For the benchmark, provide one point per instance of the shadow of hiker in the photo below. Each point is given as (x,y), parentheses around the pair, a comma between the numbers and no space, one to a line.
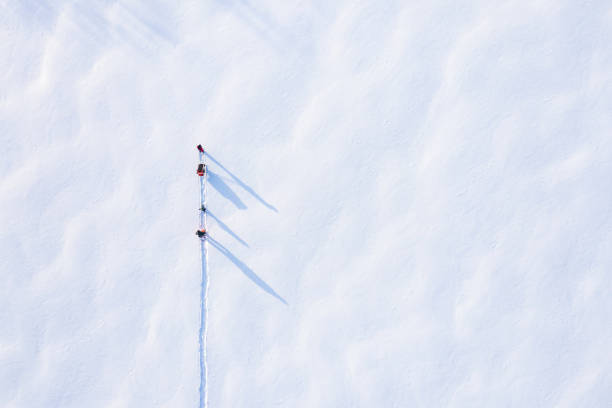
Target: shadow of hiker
(226,228)
(241,184)
(246,270)
(225,190)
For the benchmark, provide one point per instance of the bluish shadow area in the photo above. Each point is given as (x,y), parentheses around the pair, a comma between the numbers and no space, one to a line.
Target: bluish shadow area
(152,19)
(143,25)
(245,269)
(227,229)
(242,184)
(225,190)
(285,40)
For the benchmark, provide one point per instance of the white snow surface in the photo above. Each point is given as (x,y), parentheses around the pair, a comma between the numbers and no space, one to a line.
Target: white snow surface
(410,203)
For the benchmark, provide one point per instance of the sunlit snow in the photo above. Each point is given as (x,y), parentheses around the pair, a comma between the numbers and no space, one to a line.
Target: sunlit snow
(410,203)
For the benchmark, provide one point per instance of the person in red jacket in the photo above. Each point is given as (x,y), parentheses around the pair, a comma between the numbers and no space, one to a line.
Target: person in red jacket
(201,149)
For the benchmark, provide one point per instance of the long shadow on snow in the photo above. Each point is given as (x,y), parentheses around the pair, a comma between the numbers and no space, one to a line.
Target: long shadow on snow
(241,184)
(225,190)
(245,269)
(227,229)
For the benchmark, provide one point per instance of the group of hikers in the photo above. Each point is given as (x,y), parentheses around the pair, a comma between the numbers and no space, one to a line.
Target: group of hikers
(201,171)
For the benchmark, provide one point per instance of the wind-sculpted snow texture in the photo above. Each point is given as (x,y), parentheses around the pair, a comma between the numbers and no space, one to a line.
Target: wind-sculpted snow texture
(410,203)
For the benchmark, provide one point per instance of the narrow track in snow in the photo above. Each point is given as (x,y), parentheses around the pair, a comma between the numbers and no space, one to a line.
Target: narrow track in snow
(203,293)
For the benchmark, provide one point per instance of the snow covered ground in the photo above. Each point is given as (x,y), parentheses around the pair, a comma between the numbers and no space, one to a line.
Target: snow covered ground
(410,203)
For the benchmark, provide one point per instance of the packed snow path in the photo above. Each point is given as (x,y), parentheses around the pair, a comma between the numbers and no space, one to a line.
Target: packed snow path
(203,294)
